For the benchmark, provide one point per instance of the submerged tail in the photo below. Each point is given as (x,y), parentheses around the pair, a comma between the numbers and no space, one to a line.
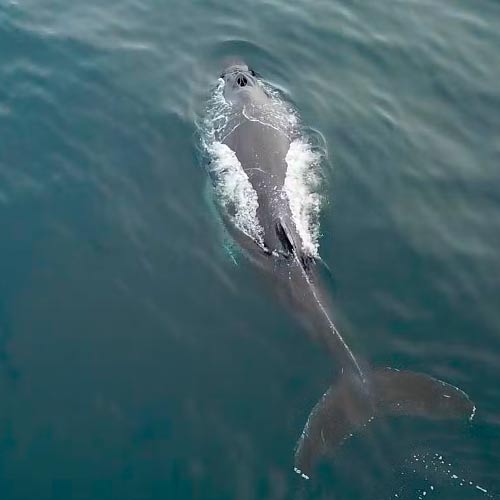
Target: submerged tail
(360,395)
(353,403)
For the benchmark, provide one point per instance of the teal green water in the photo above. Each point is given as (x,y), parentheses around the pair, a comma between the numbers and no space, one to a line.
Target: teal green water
(137,361)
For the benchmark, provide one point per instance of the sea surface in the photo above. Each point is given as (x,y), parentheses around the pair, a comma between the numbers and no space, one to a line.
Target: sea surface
(139,359)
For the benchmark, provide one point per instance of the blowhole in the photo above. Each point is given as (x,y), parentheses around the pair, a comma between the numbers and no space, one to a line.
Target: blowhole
(241,80)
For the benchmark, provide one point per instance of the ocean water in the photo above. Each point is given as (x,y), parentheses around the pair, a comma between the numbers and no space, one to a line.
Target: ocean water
(138,358)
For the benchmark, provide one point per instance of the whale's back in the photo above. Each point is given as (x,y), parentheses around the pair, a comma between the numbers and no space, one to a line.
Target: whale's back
(261,151)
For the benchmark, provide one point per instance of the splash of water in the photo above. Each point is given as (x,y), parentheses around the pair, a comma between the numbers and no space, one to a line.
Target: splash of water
(235,192)
(437,472)
(301,185)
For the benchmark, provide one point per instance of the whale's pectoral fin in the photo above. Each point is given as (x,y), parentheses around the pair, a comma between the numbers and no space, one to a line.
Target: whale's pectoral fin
(352,403)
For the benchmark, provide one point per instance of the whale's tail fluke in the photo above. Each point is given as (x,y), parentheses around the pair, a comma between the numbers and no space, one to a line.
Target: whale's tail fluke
(352,403)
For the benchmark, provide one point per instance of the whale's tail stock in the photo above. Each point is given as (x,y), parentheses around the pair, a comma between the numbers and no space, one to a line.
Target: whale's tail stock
(352,403)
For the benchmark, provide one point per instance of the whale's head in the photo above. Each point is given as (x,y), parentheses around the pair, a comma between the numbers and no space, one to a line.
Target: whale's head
(240,83)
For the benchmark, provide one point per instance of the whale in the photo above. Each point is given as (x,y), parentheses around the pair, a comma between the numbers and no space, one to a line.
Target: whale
(252,148)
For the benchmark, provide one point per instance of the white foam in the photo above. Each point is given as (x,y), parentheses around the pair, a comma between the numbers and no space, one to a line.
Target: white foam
(234,191)
(473,413)
(301,183)
(436,462)
(300,473)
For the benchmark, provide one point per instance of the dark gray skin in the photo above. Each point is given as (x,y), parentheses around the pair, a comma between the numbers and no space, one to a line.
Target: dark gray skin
(260,138)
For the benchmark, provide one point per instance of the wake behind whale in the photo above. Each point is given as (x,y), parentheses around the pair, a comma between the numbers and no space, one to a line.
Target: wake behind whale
(266,175)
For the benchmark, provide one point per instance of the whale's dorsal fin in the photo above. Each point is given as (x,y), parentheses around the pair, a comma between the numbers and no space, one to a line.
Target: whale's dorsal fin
(291,248)
(285,239)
